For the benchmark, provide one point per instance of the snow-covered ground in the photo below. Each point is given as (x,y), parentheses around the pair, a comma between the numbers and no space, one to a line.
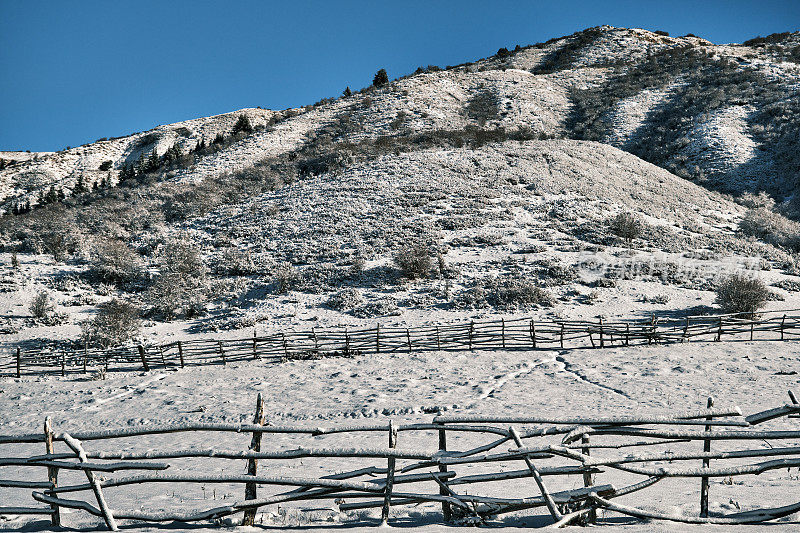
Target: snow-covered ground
(413,387)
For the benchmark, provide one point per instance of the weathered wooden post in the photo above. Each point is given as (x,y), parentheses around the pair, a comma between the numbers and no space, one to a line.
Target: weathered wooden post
(503,331)
(63,363)
(85,354)
(378,338)
(408,339)
(390,467)
(562,335)
(783,320)
(52,471)
(686,330)
(255,345)
(533,334)
(316,340)
(252,463)
(706,462)
(438,341)
(471,328)
(627,334)
(143,358)
(346,341)
(180,353)
(719,330)
(443,468)
(285,347)
(601,333)
(221,353)
(19,362)
(752,322)
(161,353)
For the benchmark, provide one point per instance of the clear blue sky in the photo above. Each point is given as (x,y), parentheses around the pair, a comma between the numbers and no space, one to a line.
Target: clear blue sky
(74,71)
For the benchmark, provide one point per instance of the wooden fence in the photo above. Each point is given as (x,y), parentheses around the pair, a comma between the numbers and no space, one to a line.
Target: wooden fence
(516,334)
(490,477)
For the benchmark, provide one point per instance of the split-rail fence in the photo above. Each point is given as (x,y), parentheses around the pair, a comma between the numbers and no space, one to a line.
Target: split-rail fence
(514,334)
(475,468)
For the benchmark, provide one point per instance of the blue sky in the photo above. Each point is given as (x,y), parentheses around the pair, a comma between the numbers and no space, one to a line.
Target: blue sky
(72,72)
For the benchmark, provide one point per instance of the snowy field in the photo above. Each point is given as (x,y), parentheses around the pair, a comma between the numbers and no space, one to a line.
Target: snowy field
(405,388)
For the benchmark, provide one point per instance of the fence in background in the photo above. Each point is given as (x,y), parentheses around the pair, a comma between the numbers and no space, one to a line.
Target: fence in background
(513,449)
(517,334)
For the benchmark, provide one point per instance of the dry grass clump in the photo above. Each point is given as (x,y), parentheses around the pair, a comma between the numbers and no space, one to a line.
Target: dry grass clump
(345,299)
(507,292)
(771,227)
(41,305)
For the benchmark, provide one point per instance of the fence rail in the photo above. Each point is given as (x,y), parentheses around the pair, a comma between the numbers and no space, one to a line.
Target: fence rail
(516,334)
(588,447)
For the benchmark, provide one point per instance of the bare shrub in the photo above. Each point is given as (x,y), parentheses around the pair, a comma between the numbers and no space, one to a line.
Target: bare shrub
(183,283)
(771,227)
(627,226)
(41,305)
(483,107)
(740,293)
(116,322)
(115,262)
(414,261)
(285,278)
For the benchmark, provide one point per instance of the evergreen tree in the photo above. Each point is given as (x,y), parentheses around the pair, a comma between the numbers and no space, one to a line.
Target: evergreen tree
(347,92)
(243,125)
(80,186)
(141,165)
(51,196)
(219,139)
(201,145)
(381,78)
(153,162)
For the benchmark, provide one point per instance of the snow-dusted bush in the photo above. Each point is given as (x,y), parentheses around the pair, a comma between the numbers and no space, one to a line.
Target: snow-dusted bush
(740,293)
(378,308)
(483,107)
(115,262)
(116,322)
(345,299)
(285,277)
(414,261)
(771,227)
(626,226)
(41,305)
(183,283)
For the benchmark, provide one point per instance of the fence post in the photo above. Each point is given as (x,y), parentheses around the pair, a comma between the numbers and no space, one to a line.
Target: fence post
(686,331)
(222,353)
(562,335)
(285,348)
(85,353)
(64,363)
(316,340)
(161,353)
(503,331)
(533,334)
(255,345)
(752,321)
(390,463)
(19,362)
(471,327)
(180,352)
(601,333)
(443,468)
(252,463)
(52,472)
(587,478)
(719,330)
(438,341)
(706,462)
(378,338)
(408,338)
(627,334)
(144,359)
(783,320)
(346,341)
